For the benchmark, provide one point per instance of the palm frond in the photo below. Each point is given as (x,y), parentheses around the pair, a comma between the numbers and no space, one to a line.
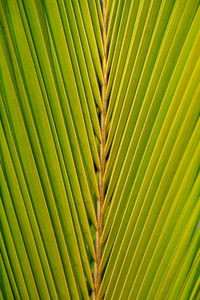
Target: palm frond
(99,149)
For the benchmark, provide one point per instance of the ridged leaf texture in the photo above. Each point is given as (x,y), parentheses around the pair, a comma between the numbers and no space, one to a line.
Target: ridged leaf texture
(100,149)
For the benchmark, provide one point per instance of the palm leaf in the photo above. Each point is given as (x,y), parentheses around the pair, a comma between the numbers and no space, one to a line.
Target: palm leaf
(100,149)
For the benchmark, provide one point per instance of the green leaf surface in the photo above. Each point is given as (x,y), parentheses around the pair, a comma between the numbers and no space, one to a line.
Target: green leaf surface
(99,149)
